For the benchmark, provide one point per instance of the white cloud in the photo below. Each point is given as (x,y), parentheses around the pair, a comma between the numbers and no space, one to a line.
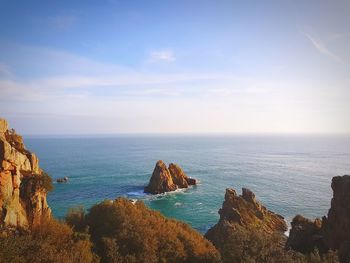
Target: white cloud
(165,55)
(322,48)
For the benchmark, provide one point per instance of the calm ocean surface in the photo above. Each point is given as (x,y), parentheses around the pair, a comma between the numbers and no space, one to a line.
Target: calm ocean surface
(289,174)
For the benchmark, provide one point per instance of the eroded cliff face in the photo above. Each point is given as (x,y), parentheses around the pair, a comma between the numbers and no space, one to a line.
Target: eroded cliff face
(23,185)
(244,211)
(166,179)
(333,232)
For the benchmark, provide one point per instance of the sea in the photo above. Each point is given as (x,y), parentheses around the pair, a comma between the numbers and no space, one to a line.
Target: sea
(289,174)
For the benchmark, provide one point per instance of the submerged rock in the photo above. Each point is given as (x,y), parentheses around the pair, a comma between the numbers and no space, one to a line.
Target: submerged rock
(22,183)
(166,179)
(62,180)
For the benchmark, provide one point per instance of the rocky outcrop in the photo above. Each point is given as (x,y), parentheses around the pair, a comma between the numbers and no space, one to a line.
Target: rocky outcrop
(306,235)
(245,212)
(22,183)
(166,179)
(334,230)
(336,226)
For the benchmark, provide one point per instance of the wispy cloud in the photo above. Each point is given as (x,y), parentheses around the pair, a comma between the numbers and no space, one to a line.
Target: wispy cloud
(5,71)
(165,55)
(321,47)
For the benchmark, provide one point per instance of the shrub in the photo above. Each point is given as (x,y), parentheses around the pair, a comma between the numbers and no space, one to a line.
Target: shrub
(33,182)
(51,242)
(76,219)
(239,245)
(126,232)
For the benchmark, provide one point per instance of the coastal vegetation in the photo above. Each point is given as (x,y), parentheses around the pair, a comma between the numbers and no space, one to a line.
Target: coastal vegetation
(118,231)
(125,232)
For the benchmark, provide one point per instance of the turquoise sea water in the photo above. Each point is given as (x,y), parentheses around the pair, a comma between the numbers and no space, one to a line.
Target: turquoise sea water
(289,174)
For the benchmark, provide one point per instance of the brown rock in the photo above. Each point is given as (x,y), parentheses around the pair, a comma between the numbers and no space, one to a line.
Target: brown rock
(246,211)
(161,180)
(12,155)
(306,235)
(168,179)
(21,205)
(334,231)
(34,162)
(3,125)
(6,187)
(178,175)
(337,225)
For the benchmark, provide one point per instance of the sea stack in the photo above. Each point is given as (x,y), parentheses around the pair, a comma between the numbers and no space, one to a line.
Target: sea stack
(333,232)
(249,213)
(244,212)
(22,183)
(166,179)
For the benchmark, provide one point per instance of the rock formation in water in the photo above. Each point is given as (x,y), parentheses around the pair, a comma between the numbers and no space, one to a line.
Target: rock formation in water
(23,185)
(306,235)
(334,230)
(166,179)
(244,212)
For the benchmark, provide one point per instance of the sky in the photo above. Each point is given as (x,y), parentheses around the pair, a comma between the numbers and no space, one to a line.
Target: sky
(182,66)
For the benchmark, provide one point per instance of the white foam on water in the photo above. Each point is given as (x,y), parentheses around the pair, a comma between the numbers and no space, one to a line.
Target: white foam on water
(139,193)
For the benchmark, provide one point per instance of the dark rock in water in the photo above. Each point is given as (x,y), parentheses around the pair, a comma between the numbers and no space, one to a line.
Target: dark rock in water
(337,225)
(244,212)
(62,180)
(191,181)
(306,235)
(334,231)
(167,179)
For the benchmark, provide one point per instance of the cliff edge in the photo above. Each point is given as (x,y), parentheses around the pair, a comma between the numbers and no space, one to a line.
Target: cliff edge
(333,232)
(23,184)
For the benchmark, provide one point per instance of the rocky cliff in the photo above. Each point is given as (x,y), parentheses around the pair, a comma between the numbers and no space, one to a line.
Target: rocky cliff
(23,185)
(166,179)
(244,211)
(333,232)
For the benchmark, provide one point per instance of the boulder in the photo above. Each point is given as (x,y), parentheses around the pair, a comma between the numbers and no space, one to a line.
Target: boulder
(168,179)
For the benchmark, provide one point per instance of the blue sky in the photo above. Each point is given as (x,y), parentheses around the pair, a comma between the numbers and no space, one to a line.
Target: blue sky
(71,67)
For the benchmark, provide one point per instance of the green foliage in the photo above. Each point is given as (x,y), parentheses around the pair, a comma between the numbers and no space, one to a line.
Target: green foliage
(37,181)
(126,232)
(45,182)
